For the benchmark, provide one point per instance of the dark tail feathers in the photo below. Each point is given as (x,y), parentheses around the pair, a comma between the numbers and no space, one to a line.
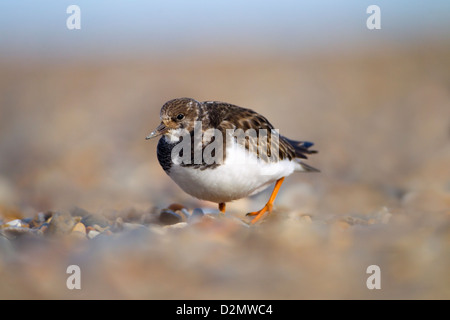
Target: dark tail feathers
(301,148)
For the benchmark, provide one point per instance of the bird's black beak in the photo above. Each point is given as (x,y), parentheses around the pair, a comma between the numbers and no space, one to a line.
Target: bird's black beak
(161,129)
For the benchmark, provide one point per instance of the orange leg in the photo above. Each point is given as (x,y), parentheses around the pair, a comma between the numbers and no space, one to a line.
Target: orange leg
(222,206)
(269,204)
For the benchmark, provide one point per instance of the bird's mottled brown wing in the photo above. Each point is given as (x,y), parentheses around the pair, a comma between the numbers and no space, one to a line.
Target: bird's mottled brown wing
(260,136)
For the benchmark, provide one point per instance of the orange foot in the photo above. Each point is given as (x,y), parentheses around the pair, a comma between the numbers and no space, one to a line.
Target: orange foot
(269,205)
(222,207)
(260,213)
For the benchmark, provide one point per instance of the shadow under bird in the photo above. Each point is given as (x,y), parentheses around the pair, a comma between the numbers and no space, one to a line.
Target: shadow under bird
(221,152)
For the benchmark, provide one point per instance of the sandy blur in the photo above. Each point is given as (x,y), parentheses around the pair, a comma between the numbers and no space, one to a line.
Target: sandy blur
(72,134)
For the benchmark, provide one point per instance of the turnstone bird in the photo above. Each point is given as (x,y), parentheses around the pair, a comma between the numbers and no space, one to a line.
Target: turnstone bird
(220,152)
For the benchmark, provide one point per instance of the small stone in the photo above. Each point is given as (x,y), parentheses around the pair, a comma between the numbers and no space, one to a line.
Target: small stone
(99,228)
(43,227)
(79,231)
(40,219)
(79,227)
(46,216)
(26,222)
(197,215)
(14,223)
(198,212)
(60,224)
(211,211)
(95,219)
(176,206)
(14,232)
(184,214)
(167,216)
(92,234)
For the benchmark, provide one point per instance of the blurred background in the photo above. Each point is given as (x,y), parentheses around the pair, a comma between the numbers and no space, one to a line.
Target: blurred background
(76,105)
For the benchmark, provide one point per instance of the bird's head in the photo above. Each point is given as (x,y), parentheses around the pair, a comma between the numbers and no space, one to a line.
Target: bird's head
(177,115)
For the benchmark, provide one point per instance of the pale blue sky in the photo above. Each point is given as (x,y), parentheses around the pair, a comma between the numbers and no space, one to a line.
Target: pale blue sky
(167,26)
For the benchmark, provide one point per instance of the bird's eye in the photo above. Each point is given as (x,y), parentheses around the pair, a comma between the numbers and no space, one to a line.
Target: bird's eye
(180,116)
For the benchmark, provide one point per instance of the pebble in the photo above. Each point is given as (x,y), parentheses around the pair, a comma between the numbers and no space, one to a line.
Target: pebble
(196,215)
(99,228)
(60,224)
(95,219)
(79,231)
(15,232)
(79,227)
(26,222)
(39,219)
(92,234)
(185,213)
(43,227)
(168,216)
(13,223)
(210,211)
(173,214)
(176,206)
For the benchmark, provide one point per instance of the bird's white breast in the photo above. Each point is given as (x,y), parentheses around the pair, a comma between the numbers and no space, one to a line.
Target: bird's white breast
(241,175)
